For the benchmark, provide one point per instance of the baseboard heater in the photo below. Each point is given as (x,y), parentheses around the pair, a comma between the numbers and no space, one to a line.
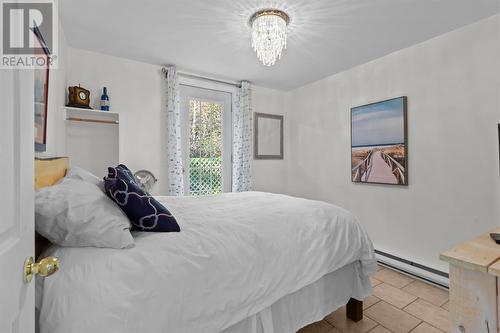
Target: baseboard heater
(414,269)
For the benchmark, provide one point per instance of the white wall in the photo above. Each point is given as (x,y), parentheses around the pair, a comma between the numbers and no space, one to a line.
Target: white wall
(137,92)
(270,175)
(453,88)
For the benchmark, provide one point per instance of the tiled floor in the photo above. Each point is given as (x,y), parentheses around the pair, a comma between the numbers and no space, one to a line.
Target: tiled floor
(399,304)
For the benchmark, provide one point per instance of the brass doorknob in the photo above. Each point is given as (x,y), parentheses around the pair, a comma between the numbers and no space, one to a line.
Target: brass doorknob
(45,267)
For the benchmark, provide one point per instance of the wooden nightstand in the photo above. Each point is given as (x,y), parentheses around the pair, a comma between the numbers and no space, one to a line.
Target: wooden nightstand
(474,277)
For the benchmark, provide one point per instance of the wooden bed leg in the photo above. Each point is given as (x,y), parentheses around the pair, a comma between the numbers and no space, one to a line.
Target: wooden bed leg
(354,310)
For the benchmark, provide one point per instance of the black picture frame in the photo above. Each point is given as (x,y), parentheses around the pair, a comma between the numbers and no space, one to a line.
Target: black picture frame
(41,93)
(359,171)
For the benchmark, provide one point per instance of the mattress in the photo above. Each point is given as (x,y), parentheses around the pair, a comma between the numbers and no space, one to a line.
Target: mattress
(236,256)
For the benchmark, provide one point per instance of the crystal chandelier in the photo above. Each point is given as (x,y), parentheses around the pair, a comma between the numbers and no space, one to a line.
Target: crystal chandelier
(269,34)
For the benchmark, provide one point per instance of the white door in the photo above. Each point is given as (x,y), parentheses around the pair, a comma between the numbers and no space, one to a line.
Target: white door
(16,201)
(206,140)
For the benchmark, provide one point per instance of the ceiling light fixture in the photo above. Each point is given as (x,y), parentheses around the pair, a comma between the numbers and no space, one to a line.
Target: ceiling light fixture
(269,34)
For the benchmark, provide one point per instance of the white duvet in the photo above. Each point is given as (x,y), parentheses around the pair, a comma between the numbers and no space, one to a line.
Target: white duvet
(236,254)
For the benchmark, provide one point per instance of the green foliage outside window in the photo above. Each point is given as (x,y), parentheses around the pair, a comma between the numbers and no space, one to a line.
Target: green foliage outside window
(205,165)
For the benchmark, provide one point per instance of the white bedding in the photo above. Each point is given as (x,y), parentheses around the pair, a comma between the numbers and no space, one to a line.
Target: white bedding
(307,305)
(236,254)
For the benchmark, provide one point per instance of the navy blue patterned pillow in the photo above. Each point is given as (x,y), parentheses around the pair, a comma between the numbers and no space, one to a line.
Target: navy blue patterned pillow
(121,171)
(144,211)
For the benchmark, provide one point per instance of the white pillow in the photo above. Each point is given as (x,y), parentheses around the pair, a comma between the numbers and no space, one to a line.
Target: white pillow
(86,176)
(76,213)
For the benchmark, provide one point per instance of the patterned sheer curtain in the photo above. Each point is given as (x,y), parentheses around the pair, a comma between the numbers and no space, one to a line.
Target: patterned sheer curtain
(174,153)
(242,139)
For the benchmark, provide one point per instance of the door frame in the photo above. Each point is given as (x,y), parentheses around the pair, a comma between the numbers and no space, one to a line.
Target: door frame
(192,88)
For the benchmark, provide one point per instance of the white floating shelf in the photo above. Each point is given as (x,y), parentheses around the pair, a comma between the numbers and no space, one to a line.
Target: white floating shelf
(90,116)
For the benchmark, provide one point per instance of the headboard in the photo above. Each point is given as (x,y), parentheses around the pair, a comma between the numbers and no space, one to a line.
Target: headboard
(48,171)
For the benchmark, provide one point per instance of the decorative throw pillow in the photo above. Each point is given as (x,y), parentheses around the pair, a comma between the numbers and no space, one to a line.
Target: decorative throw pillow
(121,171)
(144,211)
(76,213)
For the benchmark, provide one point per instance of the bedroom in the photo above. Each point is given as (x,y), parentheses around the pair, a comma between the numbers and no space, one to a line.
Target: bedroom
(363,137)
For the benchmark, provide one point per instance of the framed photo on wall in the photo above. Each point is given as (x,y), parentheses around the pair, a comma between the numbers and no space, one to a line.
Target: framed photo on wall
(41,91)
(379,142)
(268,136)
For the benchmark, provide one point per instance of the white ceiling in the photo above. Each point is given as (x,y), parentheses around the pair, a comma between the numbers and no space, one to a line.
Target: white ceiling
(212,37)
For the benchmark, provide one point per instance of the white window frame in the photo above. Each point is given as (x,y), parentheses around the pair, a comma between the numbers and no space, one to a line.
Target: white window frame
(213,92)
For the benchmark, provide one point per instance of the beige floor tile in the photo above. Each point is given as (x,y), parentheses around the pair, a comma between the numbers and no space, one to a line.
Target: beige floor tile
(392,318)
(369,301)
(393,278)
(380,329)
(434,315)
(393,295)
(375,282)
(334,330)
(425,308)
(426,328)
(344,324)
(430,293)
(318,327)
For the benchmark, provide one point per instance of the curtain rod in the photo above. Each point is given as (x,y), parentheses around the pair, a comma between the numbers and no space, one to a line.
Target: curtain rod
(193,76)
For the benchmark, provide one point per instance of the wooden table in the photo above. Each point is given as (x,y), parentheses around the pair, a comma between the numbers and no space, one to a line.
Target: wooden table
(474,278)
(494,269)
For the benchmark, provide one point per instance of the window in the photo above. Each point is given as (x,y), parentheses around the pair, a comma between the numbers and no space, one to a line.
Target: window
(206,139)
(205,147)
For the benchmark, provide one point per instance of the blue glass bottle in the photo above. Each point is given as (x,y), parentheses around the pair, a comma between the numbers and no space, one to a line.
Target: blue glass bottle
(104,100)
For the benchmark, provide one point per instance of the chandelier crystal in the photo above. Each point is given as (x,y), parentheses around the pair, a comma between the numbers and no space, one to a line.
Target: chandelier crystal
(269,34)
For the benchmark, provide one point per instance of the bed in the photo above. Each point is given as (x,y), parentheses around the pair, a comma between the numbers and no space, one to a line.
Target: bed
(243,262)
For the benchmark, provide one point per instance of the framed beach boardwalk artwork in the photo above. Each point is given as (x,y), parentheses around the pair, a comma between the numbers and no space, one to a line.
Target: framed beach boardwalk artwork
(379,147)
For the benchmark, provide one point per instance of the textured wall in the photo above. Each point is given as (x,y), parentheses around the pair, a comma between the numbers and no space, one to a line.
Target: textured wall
(452,83)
